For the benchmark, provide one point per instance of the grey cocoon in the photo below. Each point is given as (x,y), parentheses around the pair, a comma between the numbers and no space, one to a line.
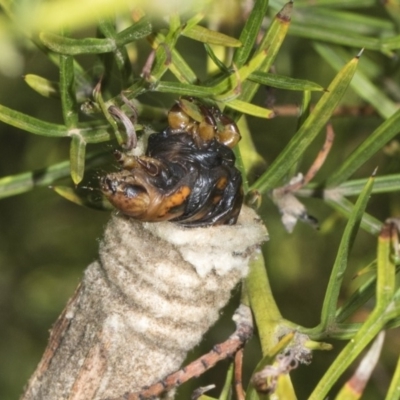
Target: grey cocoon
(156,289)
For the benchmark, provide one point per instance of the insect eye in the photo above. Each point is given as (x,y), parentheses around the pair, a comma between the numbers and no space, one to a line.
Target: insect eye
(132,191)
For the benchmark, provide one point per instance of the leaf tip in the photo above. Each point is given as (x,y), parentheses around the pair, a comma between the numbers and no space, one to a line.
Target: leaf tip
(76,179)
(360,53)
(286,12)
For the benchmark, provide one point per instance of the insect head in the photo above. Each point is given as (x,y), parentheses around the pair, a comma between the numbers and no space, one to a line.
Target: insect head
(187,174)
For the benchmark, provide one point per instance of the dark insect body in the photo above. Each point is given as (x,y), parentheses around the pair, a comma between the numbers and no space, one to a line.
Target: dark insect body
(187,174)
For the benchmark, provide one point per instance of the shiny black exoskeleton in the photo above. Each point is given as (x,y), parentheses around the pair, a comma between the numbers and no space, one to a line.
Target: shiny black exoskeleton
(182,178)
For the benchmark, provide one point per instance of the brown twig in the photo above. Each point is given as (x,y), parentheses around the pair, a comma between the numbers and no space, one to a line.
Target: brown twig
(244,330)
(317,164)
(284,197)
(321,157)
(240,395)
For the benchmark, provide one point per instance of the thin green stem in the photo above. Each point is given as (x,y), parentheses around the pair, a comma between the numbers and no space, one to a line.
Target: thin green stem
(394,388)
(22,183)
(263,304)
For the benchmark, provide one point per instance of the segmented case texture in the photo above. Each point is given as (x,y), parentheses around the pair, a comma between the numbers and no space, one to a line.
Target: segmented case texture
(156,289)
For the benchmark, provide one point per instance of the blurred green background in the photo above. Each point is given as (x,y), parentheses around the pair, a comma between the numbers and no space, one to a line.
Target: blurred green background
(46,242)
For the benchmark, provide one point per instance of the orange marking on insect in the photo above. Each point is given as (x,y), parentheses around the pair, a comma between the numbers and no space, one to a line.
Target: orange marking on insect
(216,199)
(174,200)
(222,183)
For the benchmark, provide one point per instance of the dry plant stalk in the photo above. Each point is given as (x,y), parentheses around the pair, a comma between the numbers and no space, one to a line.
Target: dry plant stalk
(284,197)
(149,299)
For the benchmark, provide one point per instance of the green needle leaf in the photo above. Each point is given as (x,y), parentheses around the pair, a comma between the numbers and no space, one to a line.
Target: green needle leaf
(250,32)
(67,88)
(344,21)
(22,183)
(361,83)
(283,82)
(227,87)
(386,269)
(77,157)
(383,312)
(138,30)
(250,109)
(64,45)
(356,300)
(383,184)
(120,55)
(226,390)
(355,386)
(309,130)
(393,392)
(181,69)
(385,132)
(178,65)
(345,207)
(183,89)
(205,35)
(336,36)
(31,124)
(340,265)
(270,44)
(43,86)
